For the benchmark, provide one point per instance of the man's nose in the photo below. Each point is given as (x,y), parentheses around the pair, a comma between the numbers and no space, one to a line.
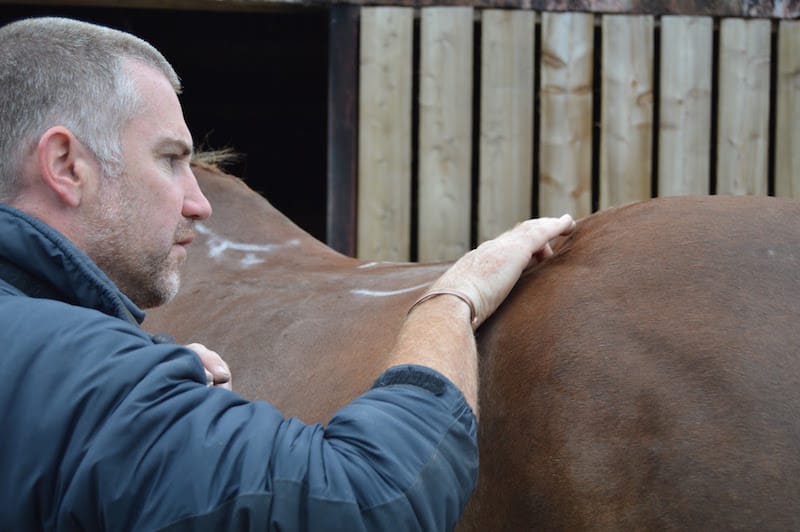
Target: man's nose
(195,205)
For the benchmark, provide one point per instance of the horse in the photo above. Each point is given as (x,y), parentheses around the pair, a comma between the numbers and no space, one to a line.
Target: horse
(646,376)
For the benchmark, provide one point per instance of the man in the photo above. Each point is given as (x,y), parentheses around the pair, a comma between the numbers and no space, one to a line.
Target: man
(107,428)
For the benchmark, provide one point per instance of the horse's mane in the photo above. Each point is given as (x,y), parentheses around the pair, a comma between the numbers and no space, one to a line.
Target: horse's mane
(215,160)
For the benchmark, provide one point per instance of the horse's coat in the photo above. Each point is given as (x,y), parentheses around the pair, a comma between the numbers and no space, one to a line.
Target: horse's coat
(645,377)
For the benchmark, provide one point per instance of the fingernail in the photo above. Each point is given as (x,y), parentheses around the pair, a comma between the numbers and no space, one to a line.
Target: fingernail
(223,373)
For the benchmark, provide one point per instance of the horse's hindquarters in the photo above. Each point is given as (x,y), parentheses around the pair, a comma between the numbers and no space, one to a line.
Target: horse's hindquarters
(648,378)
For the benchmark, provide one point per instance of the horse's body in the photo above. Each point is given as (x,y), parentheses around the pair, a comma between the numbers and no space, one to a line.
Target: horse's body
(645,377)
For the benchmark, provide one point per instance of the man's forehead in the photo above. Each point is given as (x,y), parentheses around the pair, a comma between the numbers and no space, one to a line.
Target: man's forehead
(160,116)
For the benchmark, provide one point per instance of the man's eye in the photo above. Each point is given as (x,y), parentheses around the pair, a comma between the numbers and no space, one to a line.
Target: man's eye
(175,161)
(172,159)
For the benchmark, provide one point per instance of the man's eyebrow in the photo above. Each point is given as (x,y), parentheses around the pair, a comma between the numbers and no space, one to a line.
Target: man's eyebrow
(180,146)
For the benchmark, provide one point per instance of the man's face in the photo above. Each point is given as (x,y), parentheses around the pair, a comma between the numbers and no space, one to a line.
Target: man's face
(143,219)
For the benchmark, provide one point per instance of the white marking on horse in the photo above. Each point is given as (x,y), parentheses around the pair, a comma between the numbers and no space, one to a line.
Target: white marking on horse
(368,265)
(384,293)
(217,245)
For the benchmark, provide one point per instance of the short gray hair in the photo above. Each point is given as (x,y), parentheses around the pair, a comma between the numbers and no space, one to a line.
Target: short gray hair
(58,71)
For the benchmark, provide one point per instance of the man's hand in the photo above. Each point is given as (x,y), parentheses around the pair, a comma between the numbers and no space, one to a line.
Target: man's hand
(488,273)
(438,333)
(217,371)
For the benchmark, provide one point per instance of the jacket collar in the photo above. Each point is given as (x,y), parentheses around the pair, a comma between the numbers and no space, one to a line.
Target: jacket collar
(42,262)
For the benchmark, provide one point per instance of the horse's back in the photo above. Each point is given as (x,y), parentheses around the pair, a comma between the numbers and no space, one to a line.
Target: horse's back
(648,376)
(645,377)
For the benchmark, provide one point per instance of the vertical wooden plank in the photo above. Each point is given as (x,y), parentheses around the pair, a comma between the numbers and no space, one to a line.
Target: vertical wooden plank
(787,133)
(743,114)
(506,123)
(445,132)
(626,109)
(565,135)
(384,141)
(684,128)
(342,133)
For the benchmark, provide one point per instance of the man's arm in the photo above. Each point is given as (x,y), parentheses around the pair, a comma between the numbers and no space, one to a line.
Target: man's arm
(402,456)
(438,333)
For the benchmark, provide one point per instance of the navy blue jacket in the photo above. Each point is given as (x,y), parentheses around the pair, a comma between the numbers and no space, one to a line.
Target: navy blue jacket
(105,429)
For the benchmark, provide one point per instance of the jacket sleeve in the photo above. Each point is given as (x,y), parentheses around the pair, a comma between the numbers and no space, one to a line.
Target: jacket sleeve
(172,453)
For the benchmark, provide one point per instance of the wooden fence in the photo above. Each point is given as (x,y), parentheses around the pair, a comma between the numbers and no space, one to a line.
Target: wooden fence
(470,120)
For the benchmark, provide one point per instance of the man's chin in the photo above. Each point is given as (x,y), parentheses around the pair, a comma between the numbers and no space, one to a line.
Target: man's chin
(171,287)
(162,294)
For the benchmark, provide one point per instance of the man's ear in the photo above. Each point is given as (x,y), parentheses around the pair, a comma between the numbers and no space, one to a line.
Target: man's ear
(66,166)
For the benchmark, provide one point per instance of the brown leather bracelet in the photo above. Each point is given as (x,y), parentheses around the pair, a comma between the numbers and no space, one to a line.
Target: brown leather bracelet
(473,315)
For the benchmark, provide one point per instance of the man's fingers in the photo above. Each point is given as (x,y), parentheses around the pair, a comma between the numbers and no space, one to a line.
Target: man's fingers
(543,253)
(564,225)
(569,223)
(217,371)
(542,230)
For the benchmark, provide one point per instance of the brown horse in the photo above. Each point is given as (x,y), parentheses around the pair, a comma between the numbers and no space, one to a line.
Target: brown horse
(645,377)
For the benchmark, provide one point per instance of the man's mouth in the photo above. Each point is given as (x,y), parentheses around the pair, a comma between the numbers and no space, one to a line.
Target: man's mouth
(185,241)
(184,234)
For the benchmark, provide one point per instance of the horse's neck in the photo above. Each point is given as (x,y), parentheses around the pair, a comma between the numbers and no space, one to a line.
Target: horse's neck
(246,224)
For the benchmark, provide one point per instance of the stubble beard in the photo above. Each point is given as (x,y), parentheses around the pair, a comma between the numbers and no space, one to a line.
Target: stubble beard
(149,278)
